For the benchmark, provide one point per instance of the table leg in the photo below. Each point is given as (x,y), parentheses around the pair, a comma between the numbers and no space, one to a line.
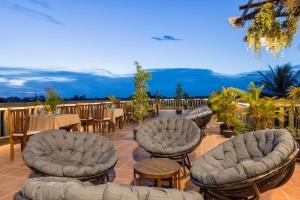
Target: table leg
(141,180)
(171,185)
(158,182)
(134,178)
(178,181)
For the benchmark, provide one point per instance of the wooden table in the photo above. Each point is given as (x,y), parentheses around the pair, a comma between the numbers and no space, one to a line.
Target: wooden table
(49,122)
(116,114)
(158,169)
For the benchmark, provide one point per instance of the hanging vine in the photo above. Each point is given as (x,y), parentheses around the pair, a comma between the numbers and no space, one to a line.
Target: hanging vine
(271,32)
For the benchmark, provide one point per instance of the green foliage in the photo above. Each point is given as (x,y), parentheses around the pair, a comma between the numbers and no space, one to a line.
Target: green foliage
(224,104)
(113,99)
(261,111)
(185,95)
(294,102)
(157,97)
(52,100)
(240,126)
(140,96)
(178,94)
(279,80)
(266,30)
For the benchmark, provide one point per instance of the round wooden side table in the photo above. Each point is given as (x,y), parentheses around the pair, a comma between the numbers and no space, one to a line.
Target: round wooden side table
(158,169)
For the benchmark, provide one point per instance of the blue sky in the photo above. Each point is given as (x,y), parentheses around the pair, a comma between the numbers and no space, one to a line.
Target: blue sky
(86,35)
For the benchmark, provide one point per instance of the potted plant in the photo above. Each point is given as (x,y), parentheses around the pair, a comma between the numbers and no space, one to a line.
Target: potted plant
(178,99)
(52,101)
(261,111)
(224,104)
(114,101)
(140,96)
(294,102)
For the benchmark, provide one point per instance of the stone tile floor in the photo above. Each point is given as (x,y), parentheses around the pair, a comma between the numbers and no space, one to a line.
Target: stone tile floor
(14,173)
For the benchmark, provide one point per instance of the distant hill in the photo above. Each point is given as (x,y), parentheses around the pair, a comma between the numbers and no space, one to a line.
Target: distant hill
(197,82)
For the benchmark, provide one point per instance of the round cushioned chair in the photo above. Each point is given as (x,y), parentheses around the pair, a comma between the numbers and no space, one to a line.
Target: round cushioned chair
(53,188)
(171,138)
(246,165)
(201,116)
(82,156)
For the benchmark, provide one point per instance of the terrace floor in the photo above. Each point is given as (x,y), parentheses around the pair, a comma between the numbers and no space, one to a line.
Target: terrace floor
(14,173)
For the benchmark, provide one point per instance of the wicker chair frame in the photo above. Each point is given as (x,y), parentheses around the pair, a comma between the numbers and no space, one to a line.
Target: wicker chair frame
(251,188)
(202,122)
(101,177)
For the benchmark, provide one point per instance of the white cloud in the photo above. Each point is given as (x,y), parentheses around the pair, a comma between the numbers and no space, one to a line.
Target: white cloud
(18,82)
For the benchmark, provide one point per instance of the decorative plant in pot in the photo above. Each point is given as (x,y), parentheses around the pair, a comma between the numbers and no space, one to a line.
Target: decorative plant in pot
(178,99)
(261,111)
(294,102)
(52,100)
(224,104)
(114,101)
(140,96)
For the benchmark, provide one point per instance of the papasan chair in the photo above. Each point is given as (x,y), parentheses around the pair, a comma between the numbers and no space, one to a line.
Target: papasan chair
(82,156)
(201,116)
(170,137)
(246,165)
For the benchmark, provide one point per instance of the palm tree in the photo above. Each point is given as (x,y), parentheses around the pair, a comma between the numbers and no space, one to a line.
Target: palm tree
(279,80)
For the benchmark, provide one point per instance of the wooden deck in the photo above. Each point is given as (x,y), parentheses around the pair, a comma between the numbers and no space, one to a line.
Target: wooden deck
(14,173)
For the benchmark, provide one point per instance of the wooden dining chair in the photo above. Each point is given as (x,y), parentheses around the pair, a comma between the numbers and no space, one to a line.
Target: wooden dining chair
(68,109)
(100,121)
(120,119)
(18,121)
(128,112)
(85,114)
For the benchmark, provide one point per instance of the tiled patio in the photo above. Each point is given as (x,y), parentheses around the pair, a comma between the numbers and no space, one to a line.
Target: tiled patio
(13,174)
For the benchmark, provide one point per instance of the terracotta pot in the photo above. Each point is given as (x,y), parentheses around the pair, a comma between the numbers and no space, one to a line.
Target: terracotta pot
(228,133)
(178,112)
(135,132)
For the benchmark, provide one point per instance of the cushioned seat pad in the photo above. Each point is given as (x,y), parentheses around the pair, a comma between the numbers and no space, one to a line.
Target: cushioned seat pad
(51,188)
(198,110)
(70,154)
(168,136)
(243,157)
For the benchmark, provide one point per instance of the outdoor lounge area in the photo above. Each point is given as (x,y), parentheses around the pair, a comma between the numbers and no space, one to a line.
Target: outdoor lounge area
(13,174)
(149,100)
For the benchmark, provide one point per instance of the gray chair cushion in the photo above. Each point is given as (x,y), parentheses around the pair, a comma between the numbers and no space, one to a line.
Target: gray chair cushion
(69,154)
(51,188)
(201,118)
(168,136)
(199,110)
(243,157)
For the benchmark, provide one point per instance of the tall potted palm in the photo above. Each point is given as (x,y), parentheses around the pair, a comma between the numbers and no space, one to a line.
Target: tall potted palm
(140,96)
(178,98)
